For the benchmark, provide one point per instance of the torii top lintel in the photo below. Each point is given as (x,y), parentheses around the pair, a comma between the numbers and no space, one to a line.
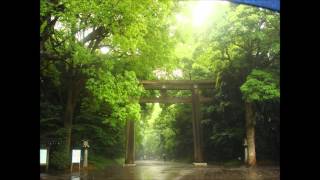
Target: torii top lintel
(177,84)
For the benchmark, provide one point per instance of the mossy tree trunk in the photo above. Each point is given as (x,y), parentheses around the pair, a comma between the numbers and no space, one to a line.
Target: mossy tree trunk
(250,132)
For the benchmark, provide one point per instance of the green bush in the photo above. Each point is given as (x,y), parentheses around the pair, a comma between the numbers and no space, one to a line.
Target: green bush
(100,162)
(59,159)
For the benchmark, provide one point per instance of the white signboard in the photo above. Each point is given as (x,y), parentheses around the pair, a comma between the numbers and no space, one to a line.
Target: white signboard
(76,155)
(43,156)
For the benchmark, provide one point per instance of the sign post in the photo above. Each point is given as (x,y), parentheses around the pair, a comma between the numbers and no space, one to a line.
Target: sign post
(44,157)
(76,157)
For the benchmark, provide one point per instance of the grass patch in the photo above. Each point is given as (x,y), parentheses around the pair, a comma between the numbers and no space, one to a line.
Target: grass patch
(100,162)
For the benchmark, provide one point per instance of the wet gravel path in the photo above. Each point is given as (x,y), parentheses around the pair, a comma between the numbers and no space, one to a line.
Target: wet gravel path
(159,170)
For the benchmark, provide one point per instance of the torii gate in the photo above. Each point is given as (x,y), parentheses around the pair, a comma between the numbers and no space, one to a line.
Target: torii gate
(195,100)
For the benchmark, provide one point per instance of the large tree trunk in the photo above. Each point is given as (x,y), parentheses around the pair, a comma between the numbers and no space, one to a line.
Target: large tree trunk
(68,116)
(250,130)
(73,93)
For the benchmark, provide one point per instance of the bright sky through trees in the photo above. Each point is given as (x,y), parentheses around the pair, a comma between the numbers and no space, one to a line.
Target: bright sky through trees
(177,73)
(193,19)
(200,12)
(104,50)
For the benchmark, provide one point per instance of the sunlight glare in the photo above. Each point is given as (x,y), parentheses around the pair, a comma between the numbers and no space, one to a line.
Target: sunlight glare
(201,11)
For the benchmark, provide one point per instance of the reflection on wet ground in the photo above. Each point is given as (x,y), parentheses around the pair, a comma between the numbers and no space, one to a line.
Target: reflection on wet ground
(159,170)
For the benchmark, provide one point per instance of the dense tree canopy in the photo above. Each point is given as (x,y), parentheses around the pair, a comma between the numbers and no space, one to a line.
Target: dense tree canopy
(239,49)
(94,52)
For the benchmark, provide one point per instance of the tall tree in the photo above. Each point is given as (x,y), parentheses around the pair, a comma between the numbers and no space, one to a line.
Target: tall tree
(72,34)
(237,40)
(259,86)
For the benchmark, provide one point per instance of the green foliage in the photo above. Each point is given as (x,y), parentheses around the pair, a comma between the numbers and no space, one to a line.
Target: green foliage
(143,36)
(225,136)
(260,86)
(104,87)
(121,92)
(236,40)
(59,159)
(100,162)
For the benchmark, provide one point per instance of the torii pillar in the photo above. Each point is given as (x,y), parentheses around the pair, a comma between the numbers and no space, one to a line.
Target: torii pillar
(129,158)
(197,130)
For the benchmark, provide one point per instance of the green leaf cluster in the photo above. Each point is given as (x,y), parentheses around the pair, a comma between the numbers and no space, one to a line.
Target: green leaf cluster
(260,86)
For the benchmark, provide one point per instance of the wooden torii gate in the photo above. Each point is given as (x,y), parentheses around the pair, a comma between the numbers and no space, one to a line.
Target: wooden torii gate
(195,100)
